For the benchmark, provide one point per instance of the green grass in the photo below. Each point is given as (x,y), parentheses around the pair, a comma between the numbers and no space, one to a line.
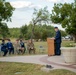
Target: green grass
(37,44)
(66,42)
(29,69)
(44,44)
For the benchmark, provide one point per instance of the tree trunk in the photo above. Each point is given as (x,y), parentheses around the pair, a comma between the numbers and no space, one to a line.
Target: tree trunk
(75,38)
(32,35)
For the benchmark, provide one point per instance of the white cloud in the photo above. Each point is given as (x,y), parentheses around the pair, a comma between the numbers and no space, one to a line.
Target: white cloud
(56,1)
(20,4)
(35,6)
(24,4)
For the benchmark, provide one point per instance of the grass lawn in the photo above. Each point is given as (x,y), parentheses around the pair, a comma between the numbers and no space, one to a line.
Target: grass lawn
(28,69)
(44,44)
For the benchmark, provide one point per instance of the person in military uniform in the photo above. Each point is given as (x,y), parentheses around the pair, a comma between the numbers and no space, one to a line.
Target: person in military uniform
(4,48)
(22,47)
(17,46)
(10,47)
(57,41)
(30,47)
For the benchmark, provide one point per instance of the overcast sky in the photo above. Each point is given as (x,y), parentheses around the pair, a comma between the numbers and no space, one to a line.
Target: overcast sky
(25,8)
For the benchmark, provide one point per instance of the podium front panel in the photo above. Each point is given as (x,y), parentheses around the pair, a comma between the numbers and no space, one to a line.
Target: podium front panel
(51,49)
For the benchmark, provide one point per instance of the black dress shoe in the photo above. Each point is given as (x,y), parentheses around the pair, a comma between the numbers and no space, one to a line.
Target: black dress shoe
(57,54)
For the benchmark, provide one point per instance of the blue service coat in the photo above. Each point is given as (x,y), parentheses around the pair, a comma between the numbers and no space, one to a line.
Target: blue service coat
(58,37)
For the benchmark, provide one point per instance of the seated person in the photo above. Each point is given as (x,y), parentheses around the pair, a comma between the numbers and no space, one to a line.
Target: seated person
(17,46)
(0,47)
(10,47)
(22,47)
(4,47)
(30,47)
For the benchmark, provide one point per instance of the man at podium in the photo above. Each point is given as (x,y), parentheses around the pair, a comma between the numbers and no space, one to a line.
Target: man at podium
(57,42)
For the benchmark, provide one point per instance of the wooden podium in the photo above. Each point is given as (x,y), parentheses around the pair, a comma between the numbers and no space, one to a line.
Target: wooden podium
(51,48)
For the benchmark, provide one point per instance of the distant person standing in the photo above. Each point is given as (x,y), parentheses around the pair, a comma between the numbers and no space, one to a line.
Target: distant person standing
(10,47)
(4,47)
(57,42)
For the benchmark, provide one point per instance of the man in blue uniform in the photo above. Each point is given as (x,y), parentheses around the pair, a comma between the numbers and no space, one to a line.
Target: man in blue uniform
(57,42)
(10,47)
(4,48)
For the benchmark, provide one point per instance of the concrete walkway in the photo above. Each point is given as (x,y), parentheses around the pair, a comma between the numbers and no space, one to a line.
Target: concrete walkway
(56,62)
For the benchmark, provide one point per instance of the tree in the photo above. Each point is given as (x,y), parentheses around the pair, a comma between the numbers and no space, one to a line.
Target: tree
(37,33)
(44,34)
(14,32)
(6,11)
(40,16)
(63,33)
(4,30)
(47,31)
(29,31)
(24,30)
(65,14)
